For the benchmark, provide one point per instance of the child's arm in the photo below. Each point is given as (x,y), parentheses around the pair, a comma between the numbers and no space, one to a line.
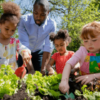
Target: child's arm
(77,57)
(64,86)
(23,51)
(49,67)
(26,55)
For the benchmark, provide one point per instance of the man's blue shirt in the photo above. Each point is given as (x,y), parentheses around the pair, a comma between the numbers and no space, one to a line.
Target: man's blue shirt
(36,37)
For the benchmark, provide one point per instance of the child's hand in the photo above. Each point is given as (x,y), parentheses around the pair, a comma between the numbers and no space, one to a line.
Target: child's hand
(26,57)
(85,78)
(51,71)
(64,86)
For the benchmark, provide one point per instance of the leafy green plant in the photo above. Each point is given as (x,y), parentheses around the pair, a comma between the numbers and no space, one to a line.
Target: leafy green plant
(89,95)
(8,81)
(47,85)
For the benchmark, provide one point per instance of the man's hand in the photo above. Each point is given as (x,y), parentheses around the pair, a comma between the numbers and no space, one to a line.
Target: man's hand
(45,60)
(43,71)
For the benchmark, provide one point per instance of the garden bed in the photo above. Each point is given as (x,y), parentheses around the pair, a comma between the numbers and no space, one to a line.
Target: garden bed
(38,87)
(22,95)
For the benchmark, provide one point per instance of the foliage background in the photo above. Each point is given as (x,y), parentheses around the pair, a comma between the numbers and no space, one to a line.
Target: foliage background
(69,14)
(1,10)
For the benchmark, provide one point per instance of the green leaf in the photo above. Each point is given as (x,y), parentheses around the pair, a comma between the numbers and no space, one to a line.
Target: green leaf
(55,94)
(91,97)
(97,94)
(78,93)
(37,98)
(83,87)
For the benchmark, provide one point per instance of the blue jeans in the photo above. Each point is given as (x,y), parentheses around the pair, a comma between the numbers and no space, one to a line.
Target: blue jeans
(36,60)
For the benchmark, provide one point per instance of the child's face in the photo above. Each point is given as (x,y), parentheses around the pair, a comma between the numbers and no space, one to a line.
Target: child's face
(7,29)
(92,44)
(60,45)
(40,14)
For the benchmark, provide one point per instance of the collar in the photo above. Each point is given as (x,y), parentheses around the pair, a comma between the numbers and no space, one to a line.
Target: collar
(43,25)
(32,20)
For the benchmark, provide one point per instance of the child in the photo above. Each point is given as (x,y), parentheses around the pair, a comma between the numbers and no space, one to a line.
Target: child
(8,44)
(61,40)
(88,55)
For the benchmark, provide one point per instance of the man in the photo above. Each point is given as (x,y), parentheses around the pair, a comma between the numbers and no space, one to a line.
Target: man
(34,30)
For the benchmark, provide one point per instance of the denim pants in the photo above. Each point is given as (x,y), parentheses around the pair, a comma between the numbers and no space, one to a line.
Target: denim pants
(36,60)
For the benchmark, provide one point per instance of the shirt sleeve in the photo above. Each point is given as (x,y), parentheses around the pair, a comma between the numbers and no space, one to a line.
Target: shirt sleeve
(23,35)
(71,53)
(21,48)
(48,47)
(78,56)
(54,56)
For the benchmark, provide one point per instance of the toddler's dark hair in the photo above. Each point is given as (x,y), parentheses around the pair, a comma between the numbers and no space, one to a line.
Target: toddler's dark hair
(61,34)
(11,12)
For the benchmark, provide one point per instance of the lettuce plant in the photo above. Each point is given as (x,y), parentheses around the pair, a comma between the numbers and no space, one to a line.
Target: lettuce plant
(8,81)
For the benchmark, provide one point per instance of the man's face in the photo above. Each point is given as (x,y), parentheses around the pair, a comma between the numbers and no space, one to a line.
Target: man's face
(40,14)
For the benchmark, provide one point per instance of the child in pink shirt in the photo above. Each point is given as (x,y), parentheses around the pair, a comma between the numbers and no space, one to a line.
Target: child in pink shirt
(88,55)
(61,40)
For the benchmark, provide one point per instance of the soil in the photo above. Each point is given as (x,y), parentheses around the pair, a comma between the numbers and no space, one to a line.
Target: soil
(20,95)
(75,86)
